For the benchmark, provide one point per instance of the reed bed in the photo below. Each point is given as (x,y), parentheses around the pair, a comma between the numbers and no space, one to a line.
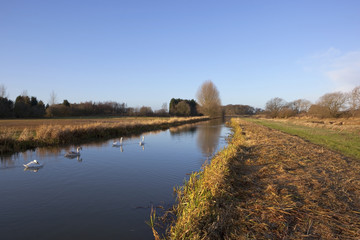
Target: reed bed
(199,212)
(17,137)
(270,185)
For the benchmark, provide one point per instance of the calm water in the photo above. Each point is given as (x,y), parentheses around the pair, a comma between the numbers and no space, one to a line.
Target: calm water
(106,193)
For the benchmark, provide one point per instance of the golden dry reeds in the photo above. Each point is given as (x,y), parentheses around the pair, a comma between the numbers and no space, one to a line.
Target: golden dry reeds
(46,133)
(199,213)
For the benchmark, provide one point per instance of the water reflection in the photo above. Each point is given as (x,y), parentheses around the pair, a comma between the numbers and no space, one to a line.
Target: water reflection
(208,134)
(121,147)
(208,137)
(187,129)
(10,161)
(78,158)
(35,170)
(48,152)
(7,161)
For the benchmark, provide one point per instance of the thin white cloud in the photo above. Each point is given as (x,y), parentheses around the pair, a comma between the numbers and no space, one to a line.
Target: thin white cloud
(341,68)
(327,55)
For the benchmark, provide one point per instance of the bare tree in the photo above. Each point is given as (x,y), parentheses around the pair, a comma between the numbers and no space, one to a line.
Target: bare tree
(334,102)
(274,106)
(209,99)
(318,111)
(164,107)
(3,91)
(53,98)
(146,111)
(300,105)
(25,93)
(354,100)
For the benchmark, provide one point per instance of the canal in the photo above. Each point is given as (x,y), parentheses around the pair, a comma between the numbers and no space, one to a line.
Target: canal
(105,193)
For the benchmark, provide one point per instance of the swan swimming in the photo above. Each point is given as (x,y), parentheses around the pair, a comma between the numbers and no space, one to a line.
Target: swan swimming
(74,154)
(142,142)
(33,164)
(118,144)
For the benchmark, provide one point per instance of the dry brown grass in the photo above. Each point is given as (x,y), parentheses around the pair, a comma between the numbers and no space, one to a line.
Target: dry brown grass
(294,189)
(279,186)
(18,135)
(20,124)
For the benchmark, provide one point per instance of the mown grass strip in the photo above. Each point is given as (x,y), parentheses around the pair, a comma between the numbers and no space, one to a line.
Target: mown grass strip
(344,142)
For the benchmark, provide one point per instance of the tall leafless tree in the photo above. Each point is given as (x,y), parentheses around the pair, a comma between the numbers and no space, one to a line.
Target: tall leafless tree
(3,91)
(53,98)
(300,105)
(209,99)
(354,100)
(334,102)
(25,93)
(164,107)
(274,106)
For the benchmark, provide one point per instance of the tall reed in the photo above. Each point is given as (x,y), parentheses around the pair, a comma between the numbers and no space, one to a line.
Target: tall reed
(198,200)
(12,140)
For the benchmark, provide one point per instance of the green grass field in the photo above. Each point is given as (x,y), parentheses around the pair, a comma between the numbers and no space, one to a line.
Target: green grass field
(347,143)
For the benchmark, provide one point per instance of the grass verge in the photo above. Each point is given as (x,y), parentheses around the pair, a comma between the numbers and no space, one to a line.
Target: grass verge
(344,142)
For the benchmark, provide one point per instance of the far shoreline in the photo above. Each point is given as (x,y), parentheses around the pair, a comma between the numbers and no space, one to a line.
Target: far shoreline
(71,131)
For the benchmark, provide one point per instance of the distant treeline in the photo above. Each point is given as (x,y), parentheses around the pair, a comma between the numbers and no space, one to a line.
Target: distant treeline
(30,107)
(233,110)
(183,107)
(24,107)
(330,105)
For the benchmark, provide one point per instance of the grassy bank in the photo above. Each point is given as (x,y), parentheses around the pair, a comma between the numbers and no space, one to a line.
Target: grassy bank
(270,185)
(345,142)
(201,198)
(18,135)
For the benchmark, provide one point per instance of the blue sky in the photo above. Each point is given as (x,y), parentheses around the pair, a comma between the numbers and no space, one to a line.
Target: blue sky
(147,52)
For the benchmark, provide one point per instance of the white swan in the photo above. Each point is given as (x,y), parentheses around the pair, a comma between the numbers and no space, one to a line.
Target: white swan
(74,154)
(118,144)
(142,142)
(33,164)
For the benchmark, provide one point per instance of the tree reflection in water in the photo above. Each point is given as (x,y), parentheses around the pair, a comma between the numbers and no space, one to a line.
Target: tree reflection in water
(208,137)
(208,134)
